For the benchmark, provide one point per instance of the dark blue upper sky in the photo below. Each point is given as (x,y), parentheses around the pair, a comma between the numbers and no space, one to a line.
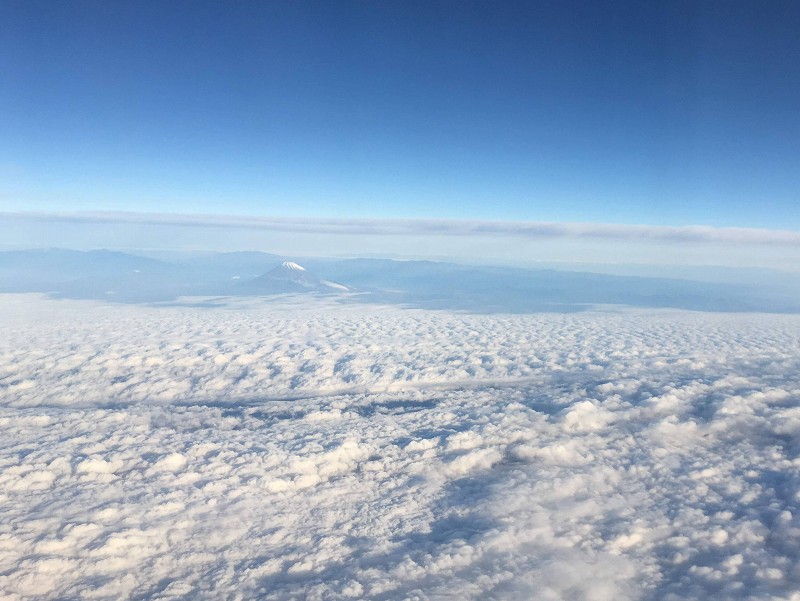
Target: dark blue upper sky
(630,112)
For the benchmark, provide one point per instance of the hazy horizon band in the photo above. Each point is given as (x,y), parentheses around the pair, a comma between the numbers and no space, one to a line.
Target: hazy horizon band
(701,234)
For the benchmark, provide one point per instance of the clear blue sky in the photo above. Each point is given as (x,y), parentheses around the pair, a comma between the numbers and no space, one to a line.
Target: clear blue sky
(619,112)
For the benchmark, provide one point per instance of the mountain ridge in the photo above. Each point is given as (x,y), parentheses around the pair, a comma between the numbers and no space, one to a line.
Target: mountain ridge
(128,278)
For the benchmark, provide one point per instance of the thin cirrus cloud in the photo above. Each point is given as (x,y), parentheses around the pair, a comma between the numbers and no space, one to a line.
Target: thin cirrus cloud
(691,234)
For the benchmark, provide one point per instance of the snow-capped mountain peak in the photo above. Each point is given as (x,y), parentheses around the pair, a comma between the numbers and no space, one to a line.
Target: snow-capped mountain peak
(291,277)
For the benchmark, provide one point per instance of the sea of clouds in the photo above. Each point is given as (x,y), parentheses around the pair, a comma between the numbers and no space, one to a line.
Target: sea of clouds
(303,448)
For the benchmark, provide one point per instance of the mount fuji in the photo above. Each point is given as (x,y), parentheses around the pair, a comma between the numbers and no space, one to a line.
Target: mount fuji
(290,277)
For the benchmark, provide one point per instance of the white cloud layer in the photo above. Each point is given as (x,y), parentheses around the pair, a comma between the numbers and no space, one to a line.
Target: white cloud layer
(600,456)
(437,227)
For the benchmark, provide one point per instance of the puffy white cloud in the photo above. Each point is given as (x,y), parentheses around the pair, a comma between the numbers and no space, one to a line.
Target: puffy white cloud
(341,452)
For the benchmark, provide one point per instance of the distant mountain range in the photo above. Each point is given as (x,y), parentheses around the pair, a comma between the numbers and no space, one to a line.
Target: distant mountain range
(125,277)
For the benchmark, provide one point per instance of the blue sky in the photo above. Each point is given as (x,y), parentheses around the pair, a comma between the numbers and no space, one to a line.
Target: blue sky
(613,112)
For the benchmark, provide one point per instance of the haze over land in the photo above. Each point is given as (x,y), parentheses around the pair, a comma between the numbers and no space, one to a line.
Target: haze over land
(125,277)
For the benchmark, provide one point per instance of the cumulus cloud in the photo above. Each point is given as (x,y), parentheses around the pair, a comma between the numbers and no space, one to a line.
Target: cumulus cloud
(73,353)
(439,227)
(630,455)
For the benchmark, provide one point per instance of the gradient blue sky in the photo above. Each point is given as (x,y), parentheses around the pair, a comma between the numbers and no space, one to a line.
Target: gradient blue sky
(618,112)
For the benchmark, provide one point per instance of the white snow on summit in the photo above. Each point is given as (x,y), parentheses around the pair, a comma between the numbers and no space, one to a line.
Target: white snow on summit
(292,265)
